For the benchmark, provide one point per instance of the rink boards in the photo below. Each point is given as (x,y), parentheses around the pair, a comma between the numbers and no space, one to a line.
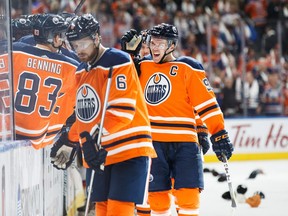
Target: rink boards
(30,186)
(256,139)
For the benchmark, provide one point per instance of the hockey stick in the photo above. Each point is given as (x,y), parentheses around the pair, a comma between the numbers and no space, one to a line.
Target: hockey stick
(65,188)
(79,6)
(105,104)
(232,194)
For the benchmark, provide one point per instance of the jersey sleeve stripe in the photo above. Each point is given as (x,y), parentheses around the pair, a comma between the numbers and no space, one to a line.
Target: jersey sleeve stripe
(164,131)
(25,137)
(211,101)
(130,146)
(23,130)
(121,114)
(125,133)
(117,142)
(122,101)
(121,107)
(204,118)
(172,125)
(208,109)
(162,118)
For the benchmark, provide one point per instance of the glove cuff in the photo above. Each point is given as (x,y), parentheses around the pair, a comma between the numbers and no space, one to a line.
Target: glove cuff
(72,144)
(202,129)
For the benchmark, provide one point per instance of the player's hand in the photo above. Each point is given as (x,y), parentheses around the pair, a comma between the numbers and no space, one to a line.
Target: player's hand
(202,133)
(221,145)
(63,152)
(95,157)
(131,42)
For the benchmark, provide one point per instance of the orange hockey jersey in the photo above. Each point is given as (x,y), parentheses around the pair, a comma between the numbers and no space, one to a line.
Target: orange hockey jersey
(5,97)
(126,132)
(172,91)
(42,83)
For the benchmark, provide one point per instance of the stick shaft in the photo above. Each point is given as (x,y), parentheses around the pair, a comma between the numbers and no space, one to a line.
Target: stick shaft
(105,104)
(79,6)
(228,177)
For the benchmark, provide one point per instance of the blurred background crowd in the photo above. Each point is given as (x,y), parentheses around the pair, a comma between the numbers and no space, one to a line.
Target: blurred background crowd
(242,44)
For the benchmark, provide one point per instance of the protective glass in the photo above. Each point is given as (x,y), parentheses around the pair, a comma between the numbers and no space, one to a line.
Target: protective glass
(160,46)
(81,44)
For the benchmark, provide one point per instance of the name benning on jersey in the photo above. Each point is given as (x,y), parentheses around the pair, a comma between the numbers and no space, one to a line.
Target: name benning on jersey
(87,106)
(157,89)
(44,65)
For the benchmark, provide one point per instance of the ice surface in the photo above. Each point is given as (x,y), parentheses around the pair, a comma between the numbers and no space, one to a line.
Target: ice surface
(273,183)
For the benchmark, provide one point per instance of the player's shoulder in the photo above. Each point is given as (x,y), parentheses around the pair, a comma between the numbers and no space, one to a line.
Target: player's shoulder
(114,57)
(26,49)
(70,54)
(28,39)
(191,62)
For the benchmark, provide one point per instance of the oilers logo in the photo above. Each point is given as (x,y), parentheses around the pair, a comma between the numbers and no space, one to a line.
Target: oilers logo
(157,89)
(87,103)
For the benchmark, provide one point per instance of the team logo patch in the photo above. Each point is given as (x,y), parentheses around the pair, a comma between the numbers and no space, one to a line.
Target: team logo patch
(207,84)
(151,178)
(157,89)
(55,20)
(87,103)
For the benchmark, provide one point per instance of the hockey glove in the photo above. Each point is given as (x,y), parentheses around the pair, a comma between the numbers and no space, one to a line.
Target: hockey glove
(63,152)
(202,133)
(93,155)
(221,145)
(131,42)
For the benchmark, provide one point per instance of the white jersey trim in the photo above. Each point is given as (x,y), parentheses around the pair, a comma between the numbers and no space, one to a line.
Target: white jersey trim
(129,146)
(121,114)
(164,131)
(212,100)
(160,118)
(218,112)
(125,132)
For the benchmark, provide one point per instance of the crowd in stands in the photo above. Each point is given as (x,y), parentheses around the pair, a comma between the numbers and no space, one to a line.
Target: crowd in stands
(241,43)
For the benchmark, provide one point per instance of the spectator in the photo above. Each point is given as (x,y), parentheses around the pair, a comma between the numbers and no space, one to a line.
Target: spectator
(272,96)
(229,102)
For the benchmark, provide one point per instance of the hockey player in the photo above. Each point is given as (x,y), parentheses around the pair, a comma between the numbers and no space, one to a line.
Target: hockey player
(126,140)
(5,126)
(202,131)
(43,79)
(22,26)
(144,50)
(22,32)
(173,87)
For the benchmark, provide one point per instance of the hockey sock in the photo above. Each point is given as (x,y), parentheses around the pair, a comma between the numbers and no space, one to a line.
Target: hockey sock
(188,200)
(119,208)
(160,203)
(101,208)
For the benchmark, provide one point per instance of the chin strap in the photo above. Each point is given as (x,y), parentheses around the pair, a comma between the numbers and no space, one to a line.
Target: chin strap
(59,47)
